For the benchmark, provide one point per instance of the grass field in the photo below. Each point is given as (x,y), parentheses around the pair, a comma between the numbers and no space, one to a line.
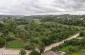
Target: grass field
(75,53)
(66,48)
(15,44)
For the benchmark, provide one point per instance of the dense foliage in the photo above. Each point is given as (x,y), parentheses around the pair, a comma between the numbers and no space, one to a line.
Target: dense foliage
(33,30)
(82,33)
(34,52)
(72,46)
(2,42)
(78,20)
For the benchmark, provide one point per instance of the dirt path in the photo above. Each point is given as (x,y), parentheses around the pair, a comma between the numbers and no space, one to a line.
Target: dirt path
(59,43)
(4,51)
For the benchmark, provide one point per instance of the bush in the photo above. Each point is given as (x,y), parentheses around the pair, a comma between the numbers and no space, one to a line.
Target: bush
(82,33)
(41,47)
(34,52)
(73,49)
(22,52)
(29,47)
(2,42)
(55,48)
(10,38)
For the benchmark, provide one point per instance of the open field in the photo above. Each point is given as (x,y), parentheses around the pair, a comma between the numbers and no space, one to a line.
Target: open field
(15,44)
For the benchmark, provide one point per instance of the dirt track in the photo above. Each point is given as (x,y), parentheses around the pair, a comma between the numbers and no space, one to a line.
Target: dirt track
(4,51)
(59,43)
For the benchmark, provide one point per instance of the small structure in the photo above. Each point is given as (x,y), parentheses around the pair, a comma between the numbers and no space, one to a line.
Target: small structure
(52,53)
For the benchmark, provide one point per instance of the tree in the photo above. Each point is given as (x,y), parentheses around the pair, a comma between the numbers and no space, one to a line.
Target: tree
(41,47)
(22,52)
(82,33)
(30,47)
(21,33)
(34,52)
(2,42)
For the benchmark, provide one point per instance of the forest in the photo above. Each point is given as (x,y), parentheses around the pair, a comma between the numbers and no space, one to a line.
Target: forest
(29,31)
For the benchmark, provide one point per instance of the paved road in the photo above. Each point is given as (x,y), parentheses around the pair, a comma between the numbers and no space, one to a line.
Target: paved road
(5,51)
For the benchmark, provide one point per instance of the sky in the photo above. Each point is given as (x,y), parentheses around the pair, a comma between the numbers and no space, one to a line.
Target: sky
(42,7)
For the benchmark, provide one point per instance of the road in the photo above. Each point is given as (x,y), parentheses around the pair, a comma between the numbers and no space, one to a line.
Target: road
(59,43)
(5,51)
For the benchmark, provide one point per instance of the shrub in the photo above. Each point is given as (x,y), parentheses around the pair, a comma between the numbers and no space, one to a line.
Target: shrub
(73,49)
(22,52)
(82,33)
(27,47)
(10,38)
(41,47)
(30,47)
(34,52)
(55,48)
(2,42)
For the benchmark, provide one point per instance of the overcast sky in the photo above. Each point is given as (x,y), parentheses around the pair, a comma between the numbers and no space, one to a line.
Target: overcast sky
(39,7)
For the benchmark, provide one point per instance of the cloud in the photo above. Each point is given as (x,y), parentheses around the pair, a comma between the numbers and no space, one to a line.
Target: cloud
(36,7)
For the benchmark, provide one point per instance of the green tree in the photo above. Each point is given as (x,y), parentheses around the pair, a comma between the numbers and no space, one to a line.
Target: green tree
(34,52)
(29,47)
(41,47)
(2,42)
(22,52)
